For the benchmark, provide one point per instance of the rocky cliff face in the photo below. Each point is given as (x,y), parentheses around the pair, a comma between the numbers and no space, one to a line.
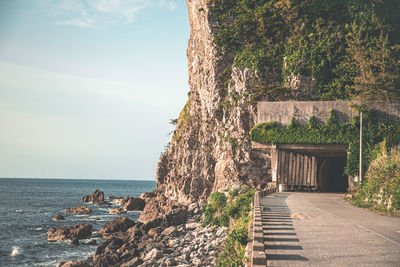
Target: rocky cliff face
(210,149)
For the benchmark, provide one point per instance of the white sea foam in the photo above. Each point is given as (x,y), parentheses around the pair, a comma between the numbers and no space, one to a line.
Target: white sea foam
(101,216)
(134,211)
(15,251)
(96,219)
(35,229)
(19,211)
(91,239)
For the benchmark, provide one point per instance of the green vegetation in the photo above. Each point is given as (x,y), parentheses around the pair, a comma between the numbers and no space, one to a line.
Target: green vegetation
(214,211)
(233,210)
(333,132)
(235,245)
(380,189)
(231,101)
(233,141)
(350,47)
(182,121)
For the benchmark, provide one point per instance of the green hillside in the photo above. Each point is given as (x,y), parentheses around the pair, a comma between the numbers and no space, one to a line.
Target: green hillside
(350,47)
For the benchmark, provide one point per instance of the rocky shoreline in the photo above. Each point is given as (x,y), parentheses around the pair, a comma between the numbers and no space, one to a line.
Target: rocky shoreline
(176,238)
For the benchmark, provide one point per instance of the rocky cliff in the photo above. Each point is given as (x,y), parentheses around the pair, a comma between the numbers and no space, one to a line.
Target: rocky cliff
(240,52)
(210,148)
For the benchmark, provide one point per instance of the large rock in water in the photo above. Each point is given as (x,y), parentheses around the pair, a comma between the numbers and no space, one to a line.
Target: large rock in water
(59,218)
(134,203)
(120,224)
(97,198)
(79,210)
(79,231)
(118,201)
(115,211)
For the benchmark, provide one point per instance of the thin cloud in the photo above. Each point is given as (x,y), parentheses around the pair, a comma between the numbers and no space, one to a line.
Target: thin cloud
(171,5)
(100,13)
(78,23)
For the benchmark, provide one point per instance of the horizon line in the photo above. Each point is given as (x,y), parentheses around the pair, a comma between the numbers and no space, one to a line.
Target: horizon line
(110,179)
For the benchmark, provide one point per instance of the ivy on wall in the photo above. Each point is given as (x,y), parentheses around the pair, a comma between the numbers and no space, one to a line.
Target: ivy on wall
(333,132)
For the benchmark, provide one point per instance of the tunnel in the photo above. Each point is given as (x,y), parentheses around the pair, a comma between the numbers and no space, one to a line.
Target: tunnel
(331,176)
(306,167)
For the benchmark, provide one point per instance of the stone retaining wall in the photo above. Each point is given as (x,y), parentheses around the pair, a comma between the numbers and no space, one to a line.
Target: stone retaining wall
(258,257)
(282,112)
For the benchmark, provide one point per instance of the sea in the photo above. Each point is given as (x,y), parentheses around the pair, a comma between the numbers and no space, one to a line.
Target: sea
(27,207)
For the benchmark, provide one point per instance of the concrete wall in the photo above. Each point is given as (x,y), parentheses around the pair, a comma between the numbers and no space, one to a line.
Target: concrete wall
(282,111)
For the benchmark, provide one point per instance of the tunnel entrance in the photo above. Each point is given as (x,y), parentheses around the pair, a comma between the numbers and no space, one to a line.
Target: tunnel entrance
(330,175)
(301,167)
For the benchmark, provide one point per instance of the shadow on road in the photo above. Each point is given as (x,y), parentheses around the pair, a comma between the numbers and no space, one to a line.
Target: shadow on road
(279,236)
(292,257)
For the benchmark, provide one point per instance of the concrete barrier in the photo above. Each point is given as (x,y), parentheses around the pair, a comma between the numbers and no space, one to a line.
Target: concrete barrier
(283,111)
(258,256)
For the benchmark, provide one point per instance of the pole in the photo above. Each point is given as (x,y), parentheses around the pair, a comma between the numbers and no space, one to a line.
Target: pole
(361,126)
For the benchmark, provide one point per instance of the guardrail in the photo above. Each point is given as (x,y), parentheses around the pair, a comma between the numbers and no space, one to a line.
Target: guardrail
(258,257)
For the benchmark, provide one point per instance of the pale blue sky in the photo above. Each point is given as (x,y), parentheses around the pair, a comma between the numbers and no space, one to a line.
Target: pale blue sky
(87,87)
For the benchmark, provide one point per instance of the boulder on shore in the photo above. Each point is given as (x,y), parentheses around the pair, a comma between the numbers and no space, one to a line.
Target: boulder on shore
(59,218)
(132,263)
(150,194)
(79,210)
(97,198)
(120,224)
(115,211)
(174,217)
(73,263)
(173,239)
(79,231)
(134,203)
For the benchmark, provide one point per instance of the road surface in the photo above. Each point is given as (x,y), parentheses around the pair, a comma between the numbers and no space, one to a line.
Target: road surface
(321,229)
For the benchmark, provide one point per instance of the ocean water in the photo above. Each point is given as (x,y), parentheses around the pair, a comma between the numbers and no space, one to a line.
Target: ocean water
(27,207)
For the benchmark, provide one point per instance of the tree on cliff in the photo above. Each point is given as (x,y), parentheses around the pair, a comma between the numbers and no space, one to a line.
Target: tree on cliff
(377,65)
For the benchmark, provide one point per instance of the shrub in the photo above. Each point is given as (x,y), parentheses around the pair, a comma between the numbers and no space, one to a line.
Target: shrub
(218,200)
(208,214)
(381,187)
(234,192)
(235,245)
(232,212)
(214,210)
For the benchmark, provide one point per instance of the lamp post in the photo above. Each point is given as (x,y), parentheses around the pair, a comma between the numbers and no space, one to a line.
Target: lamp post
(361,126)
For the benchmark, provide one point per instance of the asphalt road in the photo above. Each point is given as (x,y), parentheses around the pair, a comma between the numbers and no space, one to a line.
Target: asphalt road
(321,229)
